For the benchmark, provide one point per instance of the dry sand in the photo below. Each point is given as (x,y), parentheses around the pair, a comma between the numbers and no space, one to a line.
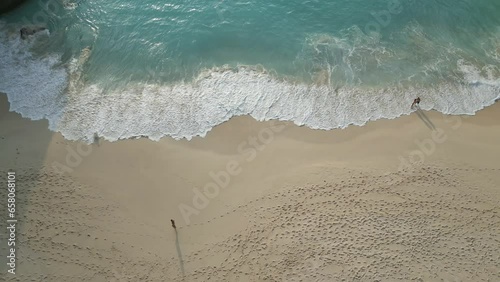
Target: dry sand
(308,206)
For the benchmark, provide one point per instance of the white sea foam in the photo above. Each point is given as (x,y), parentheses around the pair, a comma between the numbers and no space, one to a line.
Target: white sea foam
(187,110)
(38,89)
(34,85)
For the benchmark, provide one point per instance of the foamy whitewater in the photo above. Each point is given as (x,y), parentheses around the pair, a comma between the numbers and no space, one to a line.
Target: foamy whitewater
(125,82)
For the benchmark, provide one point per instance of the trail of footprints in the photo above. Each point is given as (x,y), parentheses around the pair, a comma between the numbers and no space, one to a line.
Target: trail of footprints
(427,224)
(420,225)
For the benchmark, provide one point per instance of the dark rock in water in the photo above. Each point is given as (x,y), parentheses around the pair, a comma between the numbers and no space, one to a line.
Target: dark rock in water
(27,31)
(7,5)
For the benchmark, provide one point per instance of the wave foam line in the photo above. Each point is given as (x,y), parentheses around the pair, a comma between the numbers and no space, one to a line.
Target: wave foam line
(34,86)
(191,109)
(38,88)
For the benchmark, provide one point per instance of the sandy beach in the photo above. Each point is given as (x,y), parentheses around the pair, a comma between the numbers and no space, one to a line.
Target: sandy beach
(411,199)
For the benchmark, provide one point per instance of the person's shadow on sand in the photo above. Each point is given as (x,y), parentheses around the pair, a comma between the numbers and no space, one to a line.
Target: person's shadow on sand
(179,252)
(425,118)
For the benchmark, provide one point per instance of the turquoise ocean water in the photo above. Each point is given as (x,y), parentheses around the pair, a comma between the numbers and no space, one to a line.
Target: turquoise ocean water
(125,68)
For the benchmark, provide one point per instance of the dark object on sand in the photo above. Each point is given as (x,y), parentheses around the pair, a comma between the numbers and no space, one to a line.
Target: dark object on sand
(173,223)
(27,31)
(415,102)
(8,5)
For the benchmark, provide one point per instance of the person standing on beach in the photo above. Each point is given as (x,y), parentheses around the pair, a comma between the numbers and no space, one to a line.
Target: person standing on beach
(173,224)
(415,102)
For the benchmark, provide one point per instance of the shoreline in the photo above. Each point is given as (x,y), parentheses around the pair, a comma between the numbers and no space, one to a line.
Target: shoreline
(311,204)
(113,135)
(215,96)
